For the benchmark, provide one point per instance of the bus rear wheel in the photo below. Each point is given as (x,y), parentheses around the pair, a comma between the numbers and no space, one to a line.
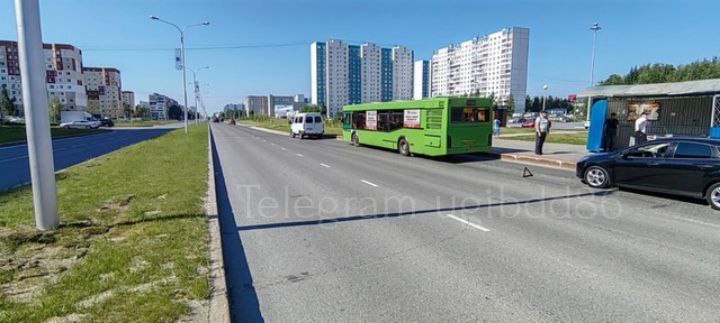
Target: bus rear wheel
(354,140)
(403,147)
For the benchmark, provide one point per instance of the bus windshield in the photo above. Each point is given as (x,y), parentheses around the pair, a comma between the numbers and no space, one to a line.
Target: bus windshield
(469,114)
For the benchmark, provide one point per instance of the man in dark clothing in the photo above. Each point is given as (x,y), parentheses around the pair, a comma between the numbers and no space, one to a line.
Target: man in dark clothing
(611,127)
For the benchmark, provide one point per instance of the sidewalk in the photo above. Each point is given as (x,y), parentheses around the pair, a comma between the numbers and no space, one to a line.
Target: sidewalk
(555,155)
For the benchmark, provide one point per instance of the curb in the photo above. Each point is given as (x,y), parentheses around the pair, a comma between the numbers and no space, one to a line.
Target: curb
(539,161)
(219,305)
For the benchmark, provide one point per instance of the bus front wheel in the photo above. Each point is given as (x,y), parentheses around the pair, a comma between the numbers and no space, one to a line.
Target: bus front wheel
(403,147)
(354,140)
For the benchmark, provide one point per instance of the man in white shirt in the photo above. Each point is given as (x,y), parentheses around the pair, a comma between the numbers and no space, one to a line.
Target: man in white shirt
(641,125)
(542,128)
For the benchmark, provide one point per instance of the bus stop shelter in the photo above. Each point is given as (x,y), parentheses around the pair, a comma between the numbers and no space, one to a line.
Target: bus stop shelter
(675,109)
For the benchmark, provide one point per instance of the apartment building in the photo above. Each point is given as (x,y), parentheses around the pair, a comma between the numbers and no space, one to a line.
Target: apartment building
(104,88)
(421,80)
(63,73)
(343,74)
(492,64)
(256,104)
(159,105)
(128,99)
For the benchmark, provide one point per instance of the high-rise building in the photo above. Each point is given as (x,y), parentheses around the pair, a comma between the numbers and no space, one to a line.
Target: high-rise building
(103,86)
(343,74)
(256,104)
(493,64)
(128,99)
(63,74)
(421,80)
(159,105)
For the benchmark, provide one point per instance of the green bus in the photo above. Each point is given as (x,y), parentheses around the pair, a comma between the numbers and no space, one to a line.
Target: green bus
(432,127)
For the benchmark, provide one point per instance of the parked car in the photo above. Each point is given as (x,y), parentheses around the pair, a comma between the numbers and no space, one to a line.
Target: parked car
(307,124)
(106,122)
(530,123)
(679,166)
(81,124)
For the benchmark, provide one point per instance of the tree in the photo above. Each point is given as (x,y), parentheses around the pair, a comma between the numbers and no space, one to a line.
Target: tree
(7,105)
(614,79)
(175,112)
(311,108)
(54,109)
(658,73)
(141,112)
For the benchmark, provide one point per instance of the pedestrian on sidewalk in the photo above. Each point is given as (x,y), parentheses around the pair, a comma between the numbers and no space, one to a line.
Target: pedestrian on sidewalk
(641,125)
(542,129)
(496,127)
(611,126)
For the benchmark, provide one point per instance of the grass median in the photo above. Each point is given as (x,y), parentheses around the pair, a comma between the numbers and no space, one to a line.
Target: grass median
(332,127)
(145,123)
(557,137)
(132,245)
(9,134)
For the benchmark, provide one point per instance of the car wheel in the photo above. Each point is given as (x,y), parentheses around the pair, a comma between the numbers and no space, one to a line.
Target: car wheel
(302,135)
(292,134)
(713,196)
(403,147)
(597,177)
(354,140)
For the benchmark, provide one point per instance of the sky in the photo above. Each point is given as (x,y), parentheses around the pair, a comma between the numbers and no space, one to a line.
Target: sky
(265,44)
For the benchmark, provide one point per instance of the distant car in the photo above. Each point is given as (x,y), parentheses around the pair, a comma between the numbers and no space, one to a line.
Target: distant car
(106,122)
(530,123)
(15,120)
(80,124)
(307,124)
(215,120)
(678,166)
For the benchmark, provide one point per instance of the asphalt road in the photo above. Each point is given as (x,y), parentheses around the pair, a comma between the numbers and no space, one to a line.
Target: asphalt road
(68,151)
(317,230)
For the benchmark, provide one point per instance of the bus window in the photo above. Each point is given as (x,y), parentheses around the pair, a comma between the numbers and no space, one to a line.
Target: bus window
(467,114)
(390,120)
(358,120)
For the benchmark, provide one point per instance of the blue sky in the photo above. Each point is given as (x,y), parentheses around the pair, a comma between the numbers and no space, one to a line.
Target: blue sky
(118,33)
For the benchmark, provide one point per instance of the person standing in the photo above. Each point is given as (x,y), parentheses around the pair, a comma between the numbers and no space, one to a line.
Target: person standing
(542,128)
(496,127)
(641,125)
(611,127)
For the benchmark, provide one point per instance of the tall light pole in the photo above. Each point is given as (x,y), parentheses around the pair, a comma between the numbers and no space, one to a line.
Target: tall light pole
(37,123)
(197,89)
(595,28)
(182,57)
(545,88)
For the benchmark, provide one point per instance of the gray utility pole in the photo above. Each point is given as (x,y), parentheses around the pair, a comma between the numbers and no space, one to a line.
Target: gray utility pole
(595,28)
(197,90)
(545,88)
(182,58)
(37,121)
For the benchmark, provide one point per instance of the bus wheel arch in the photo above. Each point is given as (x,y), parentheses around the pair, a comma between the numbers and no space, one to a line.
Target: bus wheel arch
(403,147)
(354,140)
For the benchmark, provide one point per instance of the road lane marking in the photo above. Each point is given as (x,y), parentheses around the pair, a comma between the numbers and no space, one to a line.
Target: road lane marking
(369,183)
(299,155)
(325,165)
(468,223)
(272,144)
(283,148)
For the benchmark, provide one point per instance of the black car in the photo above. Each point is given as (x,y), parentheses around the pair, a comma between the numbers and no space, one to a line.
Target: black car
(678,166)
(106,122)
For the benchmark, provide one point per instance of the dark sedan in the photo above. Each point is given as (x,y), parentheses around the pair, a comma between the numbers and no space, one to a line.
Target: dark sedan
(679,166)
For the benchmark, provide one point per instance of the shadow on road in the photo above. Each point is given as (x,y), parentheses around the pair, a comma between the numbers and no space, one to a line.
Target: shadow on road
(412,213)
(244,304)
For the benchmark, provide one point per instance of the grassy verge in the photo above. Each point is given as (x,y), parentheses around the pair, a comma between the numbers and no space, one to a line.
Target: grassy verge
(144,123)
(557,138)
(17,133)
(132,246)
(332,128)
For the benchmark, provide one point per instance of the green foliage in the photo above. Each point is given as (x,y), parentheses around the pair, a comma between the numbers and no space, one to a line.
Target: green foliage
(141,112)
(54,109)
(661,73)
(311,108)
(7,105)
(535,104)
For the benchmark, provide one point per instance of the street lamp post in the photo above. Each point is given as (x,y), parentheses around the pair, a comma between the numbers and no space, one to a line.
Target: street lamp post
(545,88)
(595,28)
(197,89)
(182,58)
(37,124)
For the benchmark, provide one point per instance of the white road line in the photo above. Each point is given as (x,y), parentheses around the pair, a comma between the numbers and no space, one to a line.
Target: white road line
(325,165)
(299,155)
(369,183)
(468,223)
(272,144)
(283,148)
